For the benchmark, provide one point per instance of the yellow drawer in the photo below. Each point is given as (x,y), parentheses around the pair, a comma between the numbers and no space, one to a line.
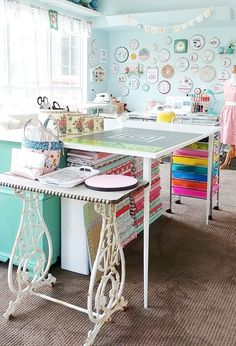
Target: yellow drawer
(191,161)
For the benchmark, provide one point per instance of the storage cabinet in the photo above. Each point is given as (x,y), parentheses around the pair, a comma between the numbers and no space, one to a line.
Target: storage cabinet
(189,171)
(10,211)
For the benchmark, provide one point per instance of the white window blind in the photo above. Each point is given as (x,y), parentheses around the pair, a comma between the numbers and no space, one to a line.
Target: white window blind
(37,61)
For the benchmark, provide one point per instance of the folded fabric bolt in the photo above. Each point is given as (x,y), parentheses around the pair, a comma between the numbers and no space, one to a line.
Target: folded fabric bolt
(26,163)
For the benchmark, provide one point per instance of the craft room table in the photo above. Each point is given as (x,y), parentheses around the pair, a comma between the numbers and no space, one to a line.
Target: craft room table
(148,141)
(106,282)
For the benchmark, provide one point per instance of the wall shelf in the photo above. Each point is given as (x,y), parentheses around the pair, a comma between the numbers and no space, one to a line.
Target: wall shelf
(69,7)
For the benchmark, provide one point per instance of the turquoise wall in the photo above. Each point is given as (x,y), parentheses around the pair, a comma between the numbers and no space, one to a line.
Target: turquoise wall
(137,99)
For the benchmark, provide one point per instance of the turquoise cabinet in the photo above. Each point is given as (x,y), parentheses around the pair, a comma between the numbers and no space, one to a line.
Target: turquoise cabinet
(10,210)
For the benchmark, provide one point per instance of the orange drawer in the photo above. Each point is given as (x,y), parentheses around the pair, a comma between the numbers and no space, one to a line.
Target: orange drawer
(189,184)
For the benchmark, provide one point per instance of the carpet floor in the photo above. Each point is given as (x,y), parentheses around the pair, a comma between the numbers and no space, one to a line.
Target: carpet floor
(192,286)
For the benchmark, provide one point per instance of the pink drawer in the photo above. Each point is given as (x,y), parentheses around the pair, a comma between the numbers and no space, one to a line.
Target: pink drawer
(191,152)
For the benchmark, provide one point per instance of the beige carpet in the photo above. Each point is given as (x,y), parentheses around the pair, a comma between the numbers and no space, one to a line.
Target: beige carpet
(192,291)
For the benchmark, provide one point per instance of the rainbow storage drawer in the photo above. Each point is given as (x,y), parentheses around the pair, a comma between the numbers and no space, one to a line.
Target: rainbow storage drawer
(190,170)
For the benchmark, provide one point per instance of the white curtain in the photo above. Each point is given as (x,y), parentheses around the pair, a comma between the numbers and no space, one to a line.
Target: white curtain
(36,60)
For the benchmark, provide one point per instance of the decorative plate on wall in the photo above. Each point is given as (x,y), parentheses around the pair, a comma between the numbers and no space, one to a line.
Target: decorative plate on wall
(121,54)
(182,64)
(114,68)
(197,42)
(216,88)
(226,62)
(154,47)
(122,78)
(193,57)
(134,83)
(197,91)
(207,56)
(124,90)
(168,40)
(194,68)
(207,73)
(133,56)
(163,55)
(144,54)
(92,59)
(167,71)
(94,46)
(164,87)
(185,85)
(180,46)
(223,75)
(145,87)
(134,44)
(214,42)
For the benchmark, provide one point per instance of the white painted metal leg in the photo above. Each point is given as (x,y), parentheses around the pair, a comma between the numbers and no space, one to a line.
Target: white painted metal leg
(209,178)
(105,297)
(27,250)
(147,164)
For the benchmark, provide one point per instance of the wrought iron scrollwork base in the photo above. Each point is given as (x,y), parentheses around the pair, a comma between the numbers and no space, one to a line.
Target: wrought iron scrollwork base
(105,297)
(27,253)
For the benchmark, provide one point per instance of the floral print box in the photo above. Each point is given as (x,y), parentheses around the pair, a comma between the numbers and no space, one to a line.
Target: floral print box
(74,123)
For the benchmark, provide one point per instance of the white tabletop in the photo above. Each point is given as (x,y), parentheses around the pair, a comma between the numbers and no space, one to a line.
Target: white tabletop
(79,192)
(169,137)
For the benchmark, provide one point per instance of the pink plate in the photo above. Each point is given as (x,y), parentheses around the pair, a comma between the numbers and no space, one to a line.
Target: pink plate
(111,182)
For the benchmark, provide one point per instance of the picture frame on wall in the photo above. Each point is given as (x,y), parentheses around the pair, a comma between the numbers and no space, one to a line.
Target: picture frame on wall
(103,55)
(152,74)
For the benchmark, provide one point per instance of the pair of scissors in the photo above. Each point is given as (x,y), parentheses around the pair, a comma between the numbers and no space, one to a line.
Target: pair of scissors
(55,105)
(43,103)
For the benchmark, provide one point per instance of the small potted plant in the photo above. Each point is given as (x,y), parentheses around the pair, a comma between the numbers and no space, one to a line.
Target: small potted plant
(230,48)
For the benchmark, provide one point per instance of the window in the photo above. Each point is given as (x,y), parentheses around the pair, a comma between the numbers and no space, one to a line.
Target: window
(36,60)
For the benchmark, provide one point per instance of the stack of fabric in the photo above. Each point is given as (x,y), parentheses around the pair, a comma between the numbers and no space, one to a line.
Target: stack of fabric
(137,201)
(109,164)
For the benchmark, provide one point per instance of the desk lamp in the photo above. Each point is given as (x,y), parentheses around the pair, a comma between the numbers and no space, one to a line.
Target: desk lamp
(212,102)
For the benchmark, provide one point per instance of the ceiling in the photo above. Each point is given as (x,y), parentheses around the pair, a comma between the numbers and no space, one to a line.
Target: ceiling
(163,13)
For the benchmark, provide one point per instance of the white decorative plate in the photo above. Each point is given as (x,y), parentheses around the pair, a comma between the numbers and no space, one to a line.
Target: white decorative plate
(163,55)
(207,73)
(182,64)
(194,68)
(226,62)
(197,42)
(134,44)
(122,78)
(134,83)
(193,57)
(154,47)
(214,42)
(168,40)
(94,46)
(223,75)
(216,88)
(114,68)
(207,56)
(92,59)
(164,87)
(124,90)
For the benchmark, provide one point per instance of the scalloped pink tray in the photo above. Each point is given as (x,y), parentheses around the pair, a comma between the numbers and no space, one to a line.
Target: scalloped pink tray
(111,182)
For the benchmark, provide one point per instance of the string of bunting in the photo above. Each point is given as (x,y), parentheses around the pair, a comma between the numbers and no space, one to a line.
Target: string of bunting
(205,14)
